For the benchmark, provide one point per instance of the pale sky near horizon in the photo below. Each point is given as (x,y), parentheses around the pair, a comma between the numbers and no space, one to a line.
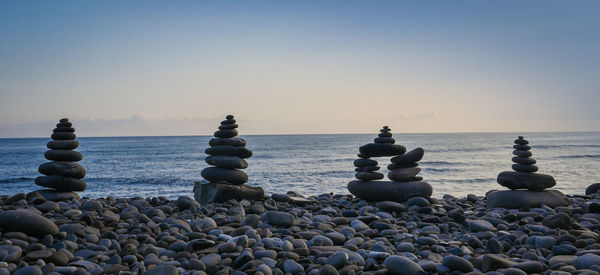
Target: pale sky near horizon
(178,67)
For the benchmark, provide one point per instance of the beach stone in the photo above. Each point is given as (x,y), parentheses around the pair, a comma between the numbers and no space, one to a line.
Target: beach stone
(403,174)
(369,176)
(227,141)
(162,270)
(64,129)
(231,176)
(28,270)
(522,147)
(278,218)
(530,267)
(228,150)
(564,249)
(328,270)
(391,206)
(381,150)
(27,222)
(418,201)
(228,126)
(226,133)
(338,259)
(389,190)
(480,225)
(365,162)
(523,154)
(529,181)
(292,267)
(185,202)
(492,262)
(61,183)
(586,261)
(367,169)
(55,195)
(63,155)
(521,140)
(560,220)
(232,162)
(414,155)
(525,168)
(384,140)
(457,263)
(402,266)
(217,192)
(63,136)
(515,199)
(63,144)
(62,168)
(592,189)
(524,161)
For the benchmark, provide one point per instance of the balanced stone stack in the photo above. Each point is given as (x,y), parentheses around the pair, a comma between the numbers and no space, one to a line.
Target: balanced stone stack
(405,183)
(528,188)
(225,181)
(62,174)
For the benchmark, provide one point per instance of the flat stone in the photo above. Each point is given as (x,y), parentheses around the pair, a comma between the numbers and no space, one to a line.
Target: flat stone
(586,261)
(28,270)
(385,134)
(236,141)
(389,190)
(62,168)
(232,162)
(391,206)
(367,169)
(514,199)
(529,181)
(228,150)
(521,153)
(381,150)
(60,183)
(480,225)
(217,192)
(592,189)
(403,174)
(231,176)
(369,176)
(414,155)
(521,147)
(491,262)
(64,124)
(55,195)
(525,161)
(226,133)
(384,140)
(64,129)
(63,136)
(365,162)
(525,168)
(395,166)
(63,155)
(457,263)
(228,126)
(402,266)
(278,218)
(27,222)
(228,121)
(63,144)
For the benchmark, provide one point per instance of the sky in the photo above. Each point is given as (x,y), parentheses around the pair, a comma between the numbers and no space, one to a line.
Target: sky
(120,68)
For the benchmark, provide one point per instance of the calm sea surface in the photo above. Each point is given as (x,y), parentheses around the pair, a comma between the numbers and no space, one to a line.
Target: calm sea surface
(456,164)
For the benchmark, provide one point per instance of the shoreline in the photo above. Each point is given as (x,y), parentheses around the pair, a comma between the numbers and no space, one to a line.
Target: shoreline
(325,234)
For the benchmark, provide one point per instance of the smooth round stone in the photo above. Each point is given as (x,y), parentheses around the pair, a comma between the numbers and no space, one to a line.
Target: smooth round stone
(521,141)
(385,129)
(62,168)
(365,162)
(227,162)
(64,129)
(457,263)
(480,225)
(29,270)
(523,154)
(228,126)
(217,192)
(232,176)
(559,220)
(391,206)
(529,181)
(402,266)
(592,189)
(414,155)
(228,121)
(338,259)
(227,150)
(385,135)
(61,183)
(64,119)
(530,168)
(515,199)
(63,155)
(236,141)
(63,144)
(64,124)
(368,176)
(521,147)
(63,136)
(227,133)
(403,174)
(384,140)
(381,150)
(525,161)
(328,270)
(395,166)
(367,169)
(27,222)
(55,195)
(389,190)
(278,218)
(586,261)
(292,267)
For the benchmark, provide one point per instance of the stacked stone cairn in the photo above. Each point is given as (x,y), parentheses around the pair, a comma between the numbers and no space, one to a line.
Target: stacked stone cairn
(224,181)
(528,188)
(62,174)
(403,173)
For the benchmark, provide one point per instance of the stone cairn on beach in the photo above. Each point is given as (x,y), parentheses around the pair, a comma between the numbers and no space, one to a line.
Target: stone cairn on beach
(528,188)
(62,174)
(404,182)
(227,154)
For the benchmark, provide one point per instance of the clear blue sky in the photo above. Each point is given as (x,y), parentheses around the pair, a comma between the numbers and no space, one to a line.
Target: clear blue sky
(178,67)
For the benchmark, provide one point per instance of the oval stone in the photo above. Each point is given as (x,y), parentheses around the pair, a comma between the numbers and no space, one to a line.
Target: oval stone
(63,144)
(228,121)
(228,126)
(64,129)
(227,133)
(364,162)
(232,176)
(522,147)
(515,199)
(64,124)
(389,190)
(227,141)
(525,161)
(27,222)
(521,141)
(62,168)
(530,168)
(530,181)
(414,155)
(395,166)
(384,140)
(61,183)
(63,155)
(368,176)
(63,136)
(227,162)
(403,174)
(367,169)
(521,153)
(381,150)
(227,150)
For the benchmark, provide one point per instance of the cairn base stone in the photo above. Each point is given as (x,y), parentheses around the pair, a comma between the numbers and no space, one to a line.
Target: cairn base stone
(389,190)
(54,195)
(61,183)
(514,199)
(529,181)
(205,192)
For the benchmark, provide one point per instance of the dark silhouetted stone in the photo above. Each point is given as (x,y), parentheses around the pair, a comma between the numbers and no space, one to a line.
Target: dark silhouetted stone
(232,176)
(525,161)
(227,133)
(62,168)
(61,183)
(216,192)
(394,166)
(226,150)
(403,174)
(64,129)
(227,141)
(525,168)
(27,222)
(529,181)
(384,140)
(365,162)
(63,136)
(227,162)
(381,150)
(367,169)
(592,189)
(63,144)
(55,195)
(389,190)
(63,155)
(514,199)
(368,176)
(413,156)
(228,126)
(521,153)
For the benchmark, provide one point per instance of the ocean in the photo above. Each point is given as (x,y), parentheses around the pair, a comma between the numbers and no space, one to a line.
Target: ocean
(456,164)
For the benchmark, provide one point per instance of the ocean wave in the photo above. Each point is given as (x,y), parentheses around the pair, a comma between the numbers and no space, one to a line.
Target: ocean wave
(441,163)
(566,146)
(17,179)
(447,150)
(442,170)
(477,180)
(578,156)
